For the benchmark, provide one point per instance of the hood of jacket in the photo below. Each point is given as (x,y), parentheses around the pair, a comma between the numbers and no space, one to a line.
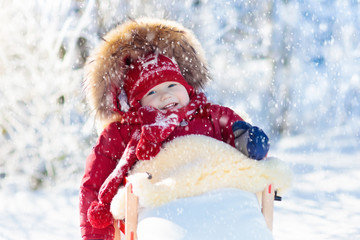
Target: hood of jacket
(107,66)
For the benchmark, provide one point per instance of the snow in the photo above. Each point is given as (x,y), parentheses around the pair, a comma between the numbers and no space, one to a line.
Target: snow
(44,214)
(325,200)
(295,72)
(215,220)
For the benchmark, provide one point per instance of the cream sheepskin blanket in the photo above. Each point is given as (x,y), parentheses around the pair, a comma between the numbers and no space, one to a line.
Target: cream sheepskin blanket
(196,164)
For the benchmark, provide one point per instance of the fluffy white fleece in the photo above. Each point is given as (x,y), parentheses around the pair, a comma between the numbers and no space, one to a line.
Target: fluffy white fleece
(195,164)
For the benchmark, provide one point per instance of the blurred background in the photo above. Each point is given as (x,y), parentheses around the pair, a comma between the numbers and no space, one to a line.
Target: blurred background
(291,65)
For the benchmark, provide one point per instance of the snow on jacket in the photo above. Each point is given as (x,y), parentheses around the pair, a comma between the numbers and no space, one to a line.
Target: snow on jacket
(112,143)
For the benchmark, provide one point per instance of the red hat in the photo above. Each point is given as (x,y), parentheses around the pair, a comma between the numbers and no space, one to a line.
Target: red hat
(149,72)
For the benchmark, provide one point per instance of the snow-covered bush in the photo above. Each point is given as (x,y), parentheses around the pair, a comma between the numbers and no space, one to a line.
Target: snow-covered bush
(42,109)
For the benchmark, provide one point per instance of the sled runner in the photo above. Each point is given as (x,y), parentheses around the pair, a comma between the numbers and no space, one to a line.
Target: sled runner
(161,193)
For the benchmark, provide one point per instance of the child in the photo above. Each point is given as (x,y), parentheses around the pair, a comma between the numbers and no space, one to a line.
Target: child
(144,82)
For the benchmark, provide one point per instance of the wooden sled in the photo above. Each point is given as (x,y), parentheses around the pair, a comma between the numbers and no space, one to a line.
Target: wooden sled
(127,229)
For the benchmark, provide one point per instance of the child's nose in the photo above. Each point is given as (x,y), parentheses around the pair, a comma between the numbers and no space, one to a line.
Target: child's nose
(165,96)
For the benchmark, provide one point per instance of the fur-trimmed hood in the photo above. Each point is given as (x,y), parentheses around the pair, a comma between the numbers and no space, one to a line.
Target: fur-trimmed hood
(106,68)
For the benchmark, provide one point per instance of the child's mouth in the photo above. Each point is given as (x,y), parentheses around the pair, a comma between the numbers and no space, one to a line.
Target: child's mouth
(169,106)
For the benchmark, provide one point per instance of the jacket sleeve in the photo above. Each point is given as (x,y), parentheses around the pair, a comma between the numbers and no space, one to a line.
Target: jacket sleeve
(223,118)
(99,164)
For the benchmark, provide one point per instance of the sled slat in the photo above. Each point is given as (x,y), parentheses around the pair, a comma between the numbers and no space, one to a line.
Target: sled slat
(267,204)
(117,226)
(131,214)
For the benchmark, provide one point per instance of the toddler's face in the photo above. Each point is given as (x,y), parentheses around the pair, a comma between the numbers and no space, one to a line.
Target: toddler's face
(165,96)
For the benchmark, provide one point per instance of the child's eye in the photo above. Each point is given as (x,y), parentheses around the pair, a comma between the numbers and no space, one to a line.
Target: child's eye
(172,85)
(151,93)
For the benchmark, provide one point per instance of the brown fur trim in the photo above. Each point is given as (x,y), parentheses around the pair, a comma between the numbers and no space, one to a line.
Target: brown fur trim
(107,66)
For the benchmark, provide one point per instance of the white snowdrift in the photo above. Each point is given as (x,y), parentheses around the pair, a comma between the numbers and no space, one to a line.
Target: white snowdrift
(230,214)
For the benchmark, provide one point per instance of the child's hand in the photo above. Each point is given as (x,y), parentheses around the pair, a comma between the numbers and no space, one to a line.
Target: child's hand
(251,141)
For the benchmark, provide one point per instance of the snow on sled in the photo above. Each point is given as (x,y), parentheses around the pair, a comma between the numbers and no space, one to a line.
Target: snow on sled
(199,188)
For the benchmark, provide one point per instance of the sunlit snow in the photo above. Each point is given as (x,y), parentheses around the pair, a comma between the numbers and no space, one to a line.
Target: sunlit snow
(292,66)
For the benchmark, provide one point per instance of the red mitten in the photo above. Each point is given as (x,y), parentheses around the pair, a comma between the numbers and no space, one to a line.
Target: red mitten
(147,149)
(156,128)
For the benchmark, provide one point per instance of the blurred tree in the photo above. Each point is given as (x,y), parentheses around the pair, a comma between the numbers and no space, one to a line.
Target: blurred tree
(281,53)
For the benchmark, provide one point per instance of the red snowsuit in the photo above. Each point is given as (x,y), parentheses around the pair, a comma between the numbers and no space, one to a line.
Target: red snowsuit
(112,143)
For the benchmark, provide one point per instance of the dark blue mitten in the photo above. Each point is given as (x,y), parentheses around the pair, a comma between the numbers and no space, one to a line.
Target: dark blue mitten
(250,140)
